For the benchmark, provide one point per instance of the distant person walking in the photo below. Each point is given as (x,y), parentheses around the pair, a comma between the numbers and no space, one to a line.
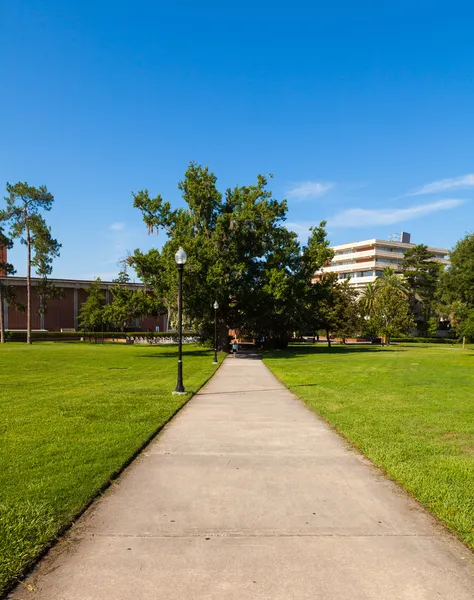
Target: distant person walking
(235,347)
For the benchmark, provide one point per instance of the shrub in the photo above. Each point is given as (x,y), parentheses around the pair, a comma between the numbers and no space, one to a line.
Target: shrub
(424,340)
(52,336)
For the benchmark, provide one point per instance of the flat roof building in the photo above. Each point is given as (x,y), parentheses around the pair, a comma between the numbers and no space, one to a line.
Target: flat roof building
(364,261)
(63,312)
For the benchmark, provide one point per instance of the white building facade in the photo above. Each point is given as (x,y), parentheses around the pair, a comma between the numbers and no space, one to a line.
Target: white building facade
(364,261)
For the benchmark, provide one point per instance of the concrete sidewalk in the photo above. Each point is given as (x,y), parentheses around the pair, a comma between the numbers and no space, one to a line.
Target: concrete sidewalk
(248,495)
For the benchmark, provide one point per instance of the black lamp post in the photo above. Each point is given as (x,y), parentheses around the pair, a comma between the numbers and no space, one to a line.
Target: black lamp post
(180,258)
(216,306)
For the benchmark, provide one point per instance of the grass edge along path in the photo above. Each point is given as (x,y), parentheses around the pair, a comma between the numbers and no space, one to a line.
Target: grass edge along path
(408,410)
(35,514)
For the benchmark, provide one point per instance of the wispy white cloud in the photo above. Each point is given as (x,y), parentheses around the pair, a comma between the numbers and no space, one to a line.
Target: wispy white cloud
(436,187)
(362,217)
(117,226)
(309,189)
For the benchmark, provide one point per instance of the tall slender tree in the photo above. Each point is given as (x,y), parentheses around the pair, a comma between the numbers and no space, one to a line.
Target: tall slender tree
(6,293)
(367,299)
(25,205)
(422,275)
(46,248)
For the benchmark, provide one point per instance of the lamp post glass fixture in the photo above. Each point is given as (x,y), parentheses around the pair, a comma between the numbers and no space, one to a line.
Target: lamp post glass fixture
(180,258)
(216,306)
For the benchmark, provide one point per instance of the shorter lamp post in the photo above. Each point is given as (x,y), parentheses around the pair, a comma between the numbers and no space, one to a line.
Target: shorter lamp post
(180,258)
(216,306)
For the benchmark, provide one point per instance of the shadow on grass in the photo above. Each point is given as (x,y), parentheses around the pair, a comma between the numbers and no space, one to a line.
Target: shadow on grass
(298,351)
(173,352)
(305,385)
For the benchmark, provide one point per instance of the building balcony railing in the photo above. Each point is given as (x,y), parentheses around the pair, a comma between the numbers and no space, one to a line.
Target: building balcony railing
(378,253)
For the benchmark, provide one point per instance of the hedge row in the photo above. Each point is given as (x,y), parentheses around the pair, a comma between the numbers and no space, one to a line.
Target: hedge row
(20,336)
(424,340)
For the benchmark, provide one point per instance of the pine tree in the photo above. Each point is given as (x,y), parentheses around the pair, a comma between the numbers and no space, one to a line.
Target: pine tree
(23,212)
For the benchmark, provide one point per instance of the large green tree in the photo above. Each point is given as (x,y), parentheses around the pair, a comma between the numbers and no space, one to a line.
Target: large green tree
(24,207)
(456,291)
(336,309)
(127,306)
(91,313)
(391,314)
(239,253)
(422,275)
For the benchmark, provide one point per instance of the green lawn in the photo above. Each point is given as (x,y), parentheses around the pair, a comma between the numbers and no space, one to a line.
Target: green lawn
(409,409)
(71,417)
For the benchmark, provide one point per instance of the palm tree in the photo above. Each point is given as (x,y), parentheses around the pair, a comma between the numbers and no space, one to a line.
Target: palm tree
(367,298)
(392,281)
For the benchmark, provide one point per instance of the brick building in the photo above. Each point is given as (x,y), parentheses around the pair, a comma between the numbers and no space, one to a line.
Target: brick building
(63,312)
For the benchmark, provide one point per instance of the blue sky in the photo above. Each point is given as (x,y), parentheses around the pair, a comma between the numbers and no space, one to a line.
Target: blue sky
(362,111)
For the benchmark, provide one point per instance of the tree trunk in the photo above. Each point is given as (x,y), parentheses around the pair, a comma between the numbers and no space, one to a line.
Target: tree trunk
(328,338)
(2,321)
(28,287)
(222,336)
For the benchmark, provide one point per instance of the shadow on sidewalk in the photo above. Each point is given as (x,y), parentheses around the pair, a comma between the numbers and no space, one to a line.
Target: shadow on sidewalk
(251,391)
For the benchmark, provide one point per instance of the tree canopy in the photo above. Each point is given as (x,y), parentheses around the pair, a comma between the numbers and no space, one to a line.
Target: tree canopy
(335,308)
(91,313)
(422,275)
(239,253)
(391,313)
(456,291)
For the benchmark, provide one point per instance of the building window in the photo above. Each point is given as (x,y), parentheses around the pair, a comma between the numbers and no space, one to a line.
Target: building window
(400,250)
(392,261)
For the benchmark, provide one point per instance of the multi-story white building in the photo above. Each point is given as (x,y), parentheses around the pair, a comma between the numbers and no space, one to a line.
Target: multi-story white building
(364,261)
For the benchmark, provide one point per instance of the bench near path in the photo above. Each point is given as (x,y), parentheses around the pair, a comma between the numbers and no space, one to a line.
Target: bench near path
(246,494)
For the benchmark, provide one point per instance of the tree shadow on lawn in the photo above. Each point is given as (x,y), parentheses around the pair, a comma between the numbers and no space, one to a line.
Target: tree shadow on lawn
(173,353)
(298,351)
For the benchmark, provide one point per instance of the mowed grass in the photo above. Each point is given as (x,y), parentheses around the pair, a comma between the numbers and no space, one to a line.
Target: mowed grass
(71,417)
(410,410)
